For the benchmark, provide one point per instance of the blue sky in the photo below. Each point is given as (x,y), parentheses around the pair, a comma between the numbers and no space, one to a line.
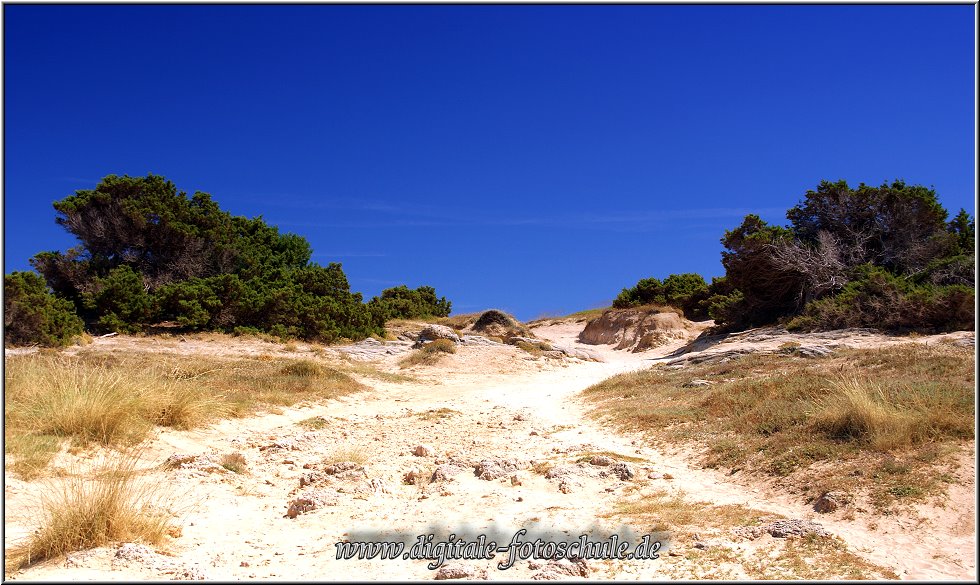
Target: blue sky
(532,158)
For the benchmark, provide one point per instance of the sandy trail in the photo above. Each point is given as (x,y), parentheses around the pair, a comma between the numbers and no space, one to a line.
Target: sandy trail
(234,526)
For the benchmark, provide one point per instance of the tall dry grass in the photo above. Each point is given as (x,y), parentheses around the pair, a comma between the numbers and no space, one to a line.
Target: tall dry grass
(112,503)
(779,415)
(115,400)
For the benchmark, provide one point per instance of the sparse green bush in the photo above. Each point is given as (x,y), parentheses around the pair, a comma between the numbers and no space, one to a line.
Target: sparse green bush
(32,315)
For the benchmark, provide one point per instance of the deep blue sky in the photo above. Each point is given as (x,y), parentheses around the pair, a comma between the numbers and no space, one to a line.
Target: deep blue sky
(532,158)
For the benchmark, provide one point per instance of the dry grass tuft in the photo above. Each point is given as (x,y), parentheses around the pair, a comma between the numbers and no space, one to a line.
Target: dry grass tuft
(428,354)
(83,512)
(235,462)
(303,368)
(860,411)
(437,413)
(353,453)
(313,423)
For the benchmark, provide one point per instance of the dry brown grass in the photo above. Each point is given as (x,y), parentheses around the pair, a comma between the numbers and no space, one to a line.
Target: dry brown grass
(669,512)
(460,322)
(84,511)
(781,415)
(680,521)
(115,399)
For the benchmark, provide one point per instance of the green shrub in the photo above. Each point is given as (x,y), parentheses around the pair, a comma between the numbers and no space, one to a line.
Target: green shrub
(684,291)
(869,256)
(119,301)
(32,315)
(149,253)
(881,300)
(402,302)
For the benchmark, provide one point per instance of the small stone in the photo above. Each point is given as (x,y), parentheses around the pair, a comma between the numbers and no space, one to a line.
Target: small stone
(601,460)
(622,471)
(831,501)
(459,571)
(668,476)
(697,384)
(423,451)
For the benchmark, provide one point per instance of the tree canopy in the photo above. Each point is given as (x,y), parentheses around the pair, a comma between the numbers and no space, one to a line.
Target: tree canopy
(149,254)
(880,256)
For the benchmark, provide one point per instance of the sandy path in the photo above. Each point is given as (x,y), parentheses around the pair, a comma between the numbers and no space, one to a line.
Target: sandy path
(233,526)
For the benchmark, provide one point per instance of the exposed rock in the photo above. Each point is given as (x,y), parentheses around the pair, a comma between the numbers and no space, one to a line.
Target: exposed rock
(718,357)
(562,569)
(480,340)
(496,468)
(424,450)
(697,383)
(635,329)
(577,469)
(813,351)
(131,551)
(796,527)
(189,574)
(460,571)
(341,467)
(310,478)
(622,471)
(447,471)
(434,332)
(309,501)
(601,460)
(412,477)
(831,501)
(783,529)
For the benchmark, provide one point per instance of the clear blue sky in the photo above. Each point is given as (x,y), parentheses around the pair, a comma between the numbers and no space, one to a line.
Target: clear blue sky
(532,158)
